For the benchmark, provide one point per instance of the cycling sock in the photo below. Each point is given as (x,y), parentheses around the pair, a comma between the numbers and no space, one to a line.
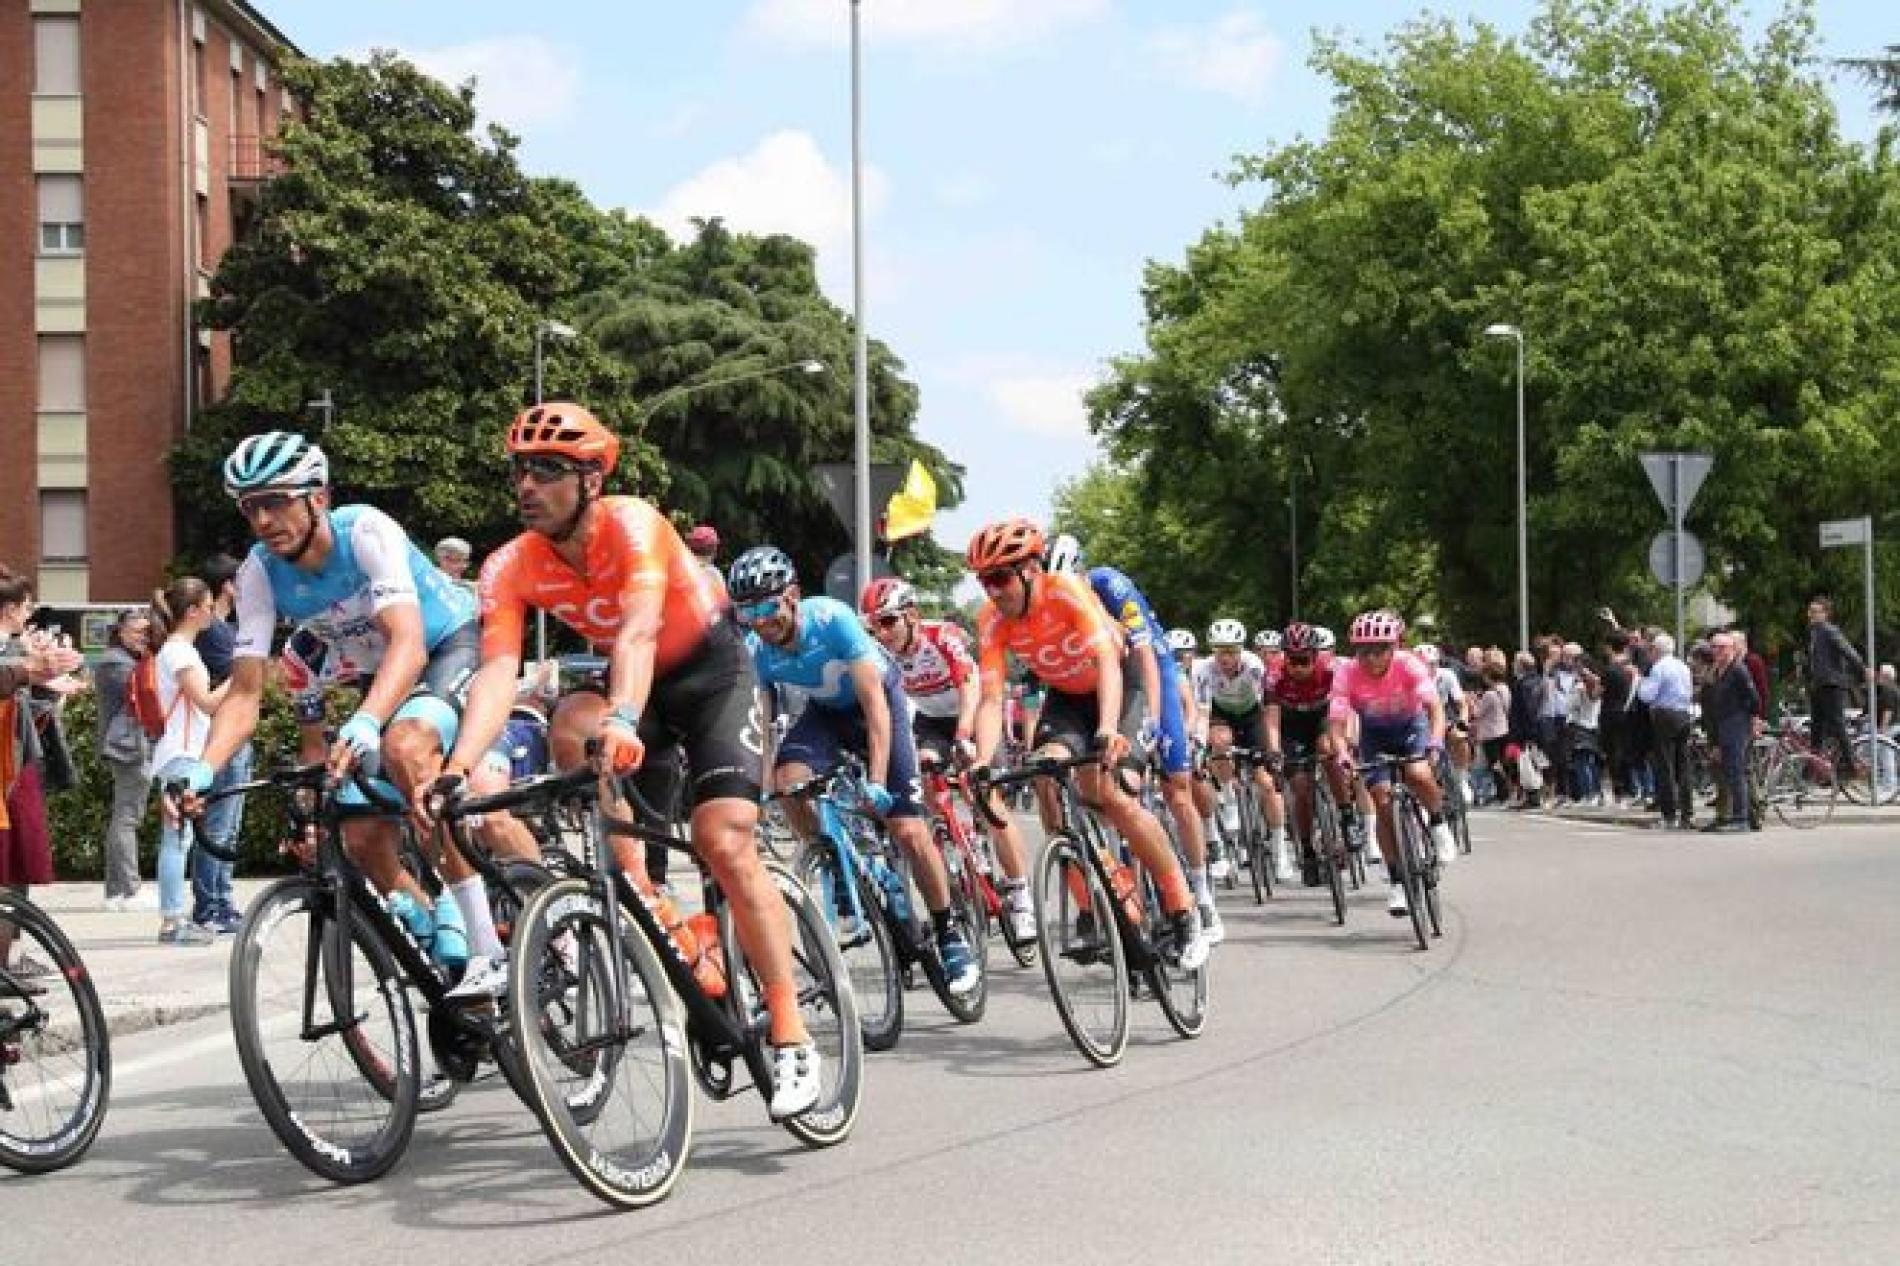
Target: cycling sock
(781,1004)
(1010,887)
(1438,819)
(1175,894)
(1197,880)
(940,921)
(471,898)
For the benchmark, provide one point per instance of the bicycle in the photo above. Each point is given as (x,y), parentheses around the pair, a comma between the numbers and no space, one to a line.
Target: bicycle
(1255,846)
(1327,840)
(55,1053)
(1457,809)
(970,860)
(1076,873)
(865,882)
(612,1014)
(336,1074)
(1417,855)
(1790,776)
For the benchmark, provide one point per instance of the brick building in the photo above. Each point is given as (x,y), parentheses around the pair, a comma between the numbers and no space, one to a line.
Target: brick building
(131,152)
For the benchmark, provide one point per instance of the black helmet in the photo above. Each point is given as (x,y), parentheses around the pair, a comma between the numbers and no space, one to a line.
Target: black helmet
(764,571)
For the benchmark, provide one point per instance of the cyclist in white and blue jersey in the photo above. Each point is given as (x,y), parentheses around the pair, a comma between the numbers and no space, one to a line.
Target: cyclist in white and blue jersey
(1166,728)
(855,702)
(351,578)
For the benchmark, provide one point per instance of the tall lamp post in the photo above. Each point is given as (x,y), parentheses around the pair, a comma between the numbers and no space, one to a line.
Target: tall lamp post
(1512,332)
(860,379)
(542,331)
(671,394)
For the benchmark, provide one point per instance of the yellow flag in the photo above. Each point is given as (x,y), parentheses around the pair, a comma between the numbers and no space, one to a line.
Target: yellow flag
(913,506)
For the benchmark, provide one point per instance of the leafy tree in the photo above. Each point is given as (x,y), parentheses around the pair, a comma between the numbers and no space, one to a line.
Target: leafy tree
(1882,73)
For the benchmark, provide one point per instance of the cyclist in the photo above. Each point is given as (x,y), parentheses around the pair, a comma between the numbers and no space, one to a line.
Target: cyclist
(1390,690)
(854,702)
(375,602)
(1164,728)
(940,678)
(616,572)
(1451,697)
(1181,647)
(1298,698)
(1267,645)
(1053,624)
(1229,693)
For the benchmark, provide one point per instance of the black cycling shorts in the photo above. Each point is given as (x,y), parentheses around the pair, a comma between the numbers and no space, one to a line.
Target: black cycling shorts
(709,706)
(1249,728)
(1300,731)
(1072,720)
(936,739)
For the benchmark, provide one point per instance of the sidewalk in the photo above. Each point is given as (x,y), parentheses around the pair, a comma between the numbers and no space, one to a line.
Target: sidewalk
(1845,814)
(142,984)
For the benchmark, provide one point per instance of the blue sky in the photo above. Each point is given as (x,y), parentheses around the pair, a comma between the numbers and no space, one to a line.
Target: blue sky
(1025,157)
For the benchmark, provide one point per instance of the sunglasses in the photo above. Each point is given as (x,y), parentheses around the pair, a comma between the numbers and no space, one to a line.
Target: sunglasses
(1372,652)
(540,468)
(753,612)
(888,622)
(271,503)
(1301,660)
(996,578)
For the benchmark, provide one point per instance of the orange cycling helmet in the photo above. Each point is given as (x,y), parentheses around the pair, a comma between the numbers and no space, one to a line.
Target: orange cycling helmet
(565,430)
(1008,543)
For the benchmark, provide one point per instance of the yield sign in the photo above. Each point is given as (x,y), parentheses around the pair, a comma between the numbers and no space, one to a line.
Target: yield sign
(1666,469)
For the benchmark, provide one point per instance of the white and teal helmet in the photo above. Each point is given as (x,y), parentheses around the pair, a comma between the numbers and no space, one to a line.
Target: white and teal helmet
(276,460)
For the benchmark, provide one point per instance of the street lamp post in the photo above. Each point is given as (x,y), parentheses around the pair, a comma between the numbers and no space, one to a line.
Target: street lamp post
(861,393)
(1512,332)
(691,388)
(559,330)
(324,404)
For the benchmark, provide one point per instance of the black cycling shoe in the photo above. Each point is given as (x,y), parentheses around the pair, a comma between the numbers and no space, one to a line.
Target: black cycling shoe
(1309,868)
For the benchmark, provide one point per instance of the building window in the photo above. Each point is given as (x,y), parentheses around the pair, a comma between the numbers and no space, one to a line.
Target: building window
(56,56)
(62,525)
(232,125)
(63,373)
(62,215)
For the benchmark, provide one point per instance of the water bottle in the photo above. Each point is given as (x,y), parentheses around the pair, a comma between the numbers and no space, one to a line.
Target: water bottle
(1121,886)
(709,968)
(420,922)
(894,889)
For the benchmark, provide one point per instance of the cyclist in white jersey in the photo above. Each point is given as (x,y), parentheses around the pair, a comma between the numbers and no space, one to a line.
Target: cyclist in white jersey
(1230,692)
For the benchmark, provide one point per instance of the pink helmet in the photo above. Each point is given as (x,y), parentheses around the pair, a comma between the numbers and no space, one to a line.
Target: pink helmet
(1376,628)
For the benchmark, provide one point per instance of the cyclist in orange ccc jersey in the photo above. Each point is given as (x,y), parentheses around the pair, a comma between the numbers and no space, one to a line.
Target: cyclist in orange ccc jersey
(616,572)
(1053,623)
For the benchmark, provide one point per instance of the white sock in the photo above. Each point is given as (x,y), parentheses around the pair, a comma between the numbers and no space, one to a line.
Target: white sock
(471,897)
(1208,823)
(1197,880)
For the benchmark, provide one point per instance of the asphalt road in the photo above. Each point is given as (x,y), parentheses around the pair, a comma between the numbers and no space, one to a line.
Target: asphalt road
(1628,1047)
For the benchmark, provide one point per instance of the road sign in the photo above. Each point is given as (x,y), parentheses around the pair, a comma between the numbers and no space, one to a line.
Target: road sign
(1677,474)
(838,482)
(842,576)
(1662,558)
(1846,532)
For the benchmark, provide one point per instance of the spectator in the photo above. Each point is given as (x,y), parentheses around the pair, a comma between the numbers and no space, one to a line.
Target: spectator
(703,541)
(1667,691)
(1554,718)
(452,555)
(31,661)
(1491,725)
(211,900)
(127,754)
(1887,717)
(1731,713)
(1528,693)
(1833,669)
(1582,732)
(180,613)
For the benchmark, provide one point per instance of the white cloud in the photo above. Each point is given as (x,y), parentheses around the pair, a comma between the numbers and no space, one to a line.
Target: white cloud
(1043,400)
(966,23)
(784,184)
(1235,55)
(521,81)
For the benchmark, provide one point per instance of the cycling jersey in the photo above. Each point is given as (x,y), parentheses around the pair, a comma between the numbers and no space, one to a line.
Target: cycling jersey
(1057,638)
(1404,691)
(1451,691)
(818,663)
(936,665)
(1312,693)
(1237,693)
(632,550)
(372,566)
(1126,604)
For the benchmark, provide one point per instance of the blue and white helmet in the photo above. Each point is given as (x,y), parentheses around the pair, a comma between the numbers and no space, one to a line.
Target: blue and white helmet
(1065,554)
(764,571)
(276,460)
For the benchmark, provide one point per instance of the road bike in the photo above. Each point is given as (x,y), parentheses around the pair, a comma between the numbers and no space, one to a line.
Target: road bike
(1327,842)
(1455,805)
(1254,845)
(617,1014)
(55,1054)
(969,856)
(1092,942)
(1419,869)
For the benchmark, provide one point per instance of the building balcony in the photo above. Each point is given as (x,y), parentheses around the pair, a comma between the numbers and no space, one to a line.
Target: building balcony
(252,162)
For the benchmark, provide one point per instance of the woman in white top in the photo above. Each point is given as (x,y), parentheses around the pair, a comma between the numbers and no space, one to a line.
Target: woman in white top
(179,614)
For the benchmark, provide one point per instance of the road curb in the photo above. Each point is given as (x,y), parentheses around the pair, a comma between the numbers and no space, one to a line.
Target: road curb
(1640,821)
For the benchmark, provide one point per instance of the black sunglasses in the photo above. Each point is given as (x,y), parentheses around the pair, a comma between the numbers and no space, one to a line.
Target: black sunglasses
(888,621)
(996,578)
(1303,658)
(539,467)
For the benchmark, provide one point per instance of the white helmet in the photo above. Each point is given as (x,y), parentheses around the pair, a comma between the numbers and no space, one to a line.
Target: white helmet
(1323,639)
(1065,554)
(1427,651)
(1227,633)
(1182,640)
(1267,640)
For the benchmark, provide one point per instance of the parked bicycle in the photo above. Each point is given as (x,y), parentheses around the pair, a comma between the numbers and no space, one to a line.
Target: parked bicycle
(55,1055)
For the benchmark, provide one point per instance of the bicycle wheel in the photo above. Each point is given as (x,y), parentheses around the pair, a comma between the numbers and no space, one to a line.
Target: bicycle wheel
(967,913)
(1082,954)
(1457,810)
(1801,787)
(1331,851)
(1429,872)
(869,954)
(1877,755)
(55,1054)
(325,1034)
(829,1010)
(1182,994)
(606,1067)
(1259,865)
(1405,824)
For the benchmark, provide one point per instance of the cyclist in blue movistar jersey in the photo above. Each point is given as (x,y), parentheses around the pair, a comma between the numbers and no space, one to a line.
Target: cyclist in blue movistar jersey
(854,701)
(1165,728)
(356,582)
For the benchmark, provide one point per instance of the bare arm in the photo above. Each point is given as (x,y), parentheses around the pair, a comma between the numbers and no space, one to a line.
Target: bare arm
(868,681)
(236,717)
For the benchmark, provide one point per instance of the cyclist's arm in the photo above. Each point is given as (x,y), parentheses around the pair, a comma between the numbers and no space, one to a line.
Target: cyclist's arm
(1150,681)
(1108,687)
(867,679)
(1273,725)
(630,662)
(490,696)
(403,661)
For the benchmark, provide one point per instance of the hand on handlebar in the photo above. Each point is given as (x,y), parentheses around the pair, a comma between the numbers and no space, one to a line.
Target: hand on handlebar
(449,786)
(1111,746)
(879,797)
(621,750)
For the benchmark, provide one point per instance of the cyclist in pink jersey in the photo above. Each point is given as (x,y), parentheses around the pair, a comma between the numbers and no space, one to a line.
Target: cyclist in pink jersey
(1393,694)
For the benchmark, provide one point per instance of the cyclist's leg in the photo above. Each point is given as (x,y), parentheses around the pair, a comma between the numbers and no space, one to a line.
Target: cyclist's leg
(502,833)
(812,746)
(1144,834)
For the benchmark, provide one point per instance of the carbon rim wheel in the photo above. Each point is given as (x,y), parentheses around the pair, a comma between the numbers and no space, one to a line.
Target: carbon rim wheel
(55,1055)
(1082,953)
(829,1010)
(869,956)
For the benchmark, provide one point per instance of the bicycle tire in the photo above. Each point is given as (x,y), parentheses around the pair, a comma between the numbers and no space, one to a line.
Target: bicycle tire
(1457,808)
(526,878)
(1405,824)
(1259,865)
(562,930)
(340,1160)
(61,1142)
(870,959)
(840,1038)
(1870,754)
(1801,787)
(966,911)
(1182,995)
(1102,1040)
(1254,836)
(1331,849)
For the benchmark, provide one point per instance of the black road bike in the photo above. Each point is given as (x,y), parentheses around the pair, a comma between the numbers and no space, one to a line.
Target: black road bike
(55,1057)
